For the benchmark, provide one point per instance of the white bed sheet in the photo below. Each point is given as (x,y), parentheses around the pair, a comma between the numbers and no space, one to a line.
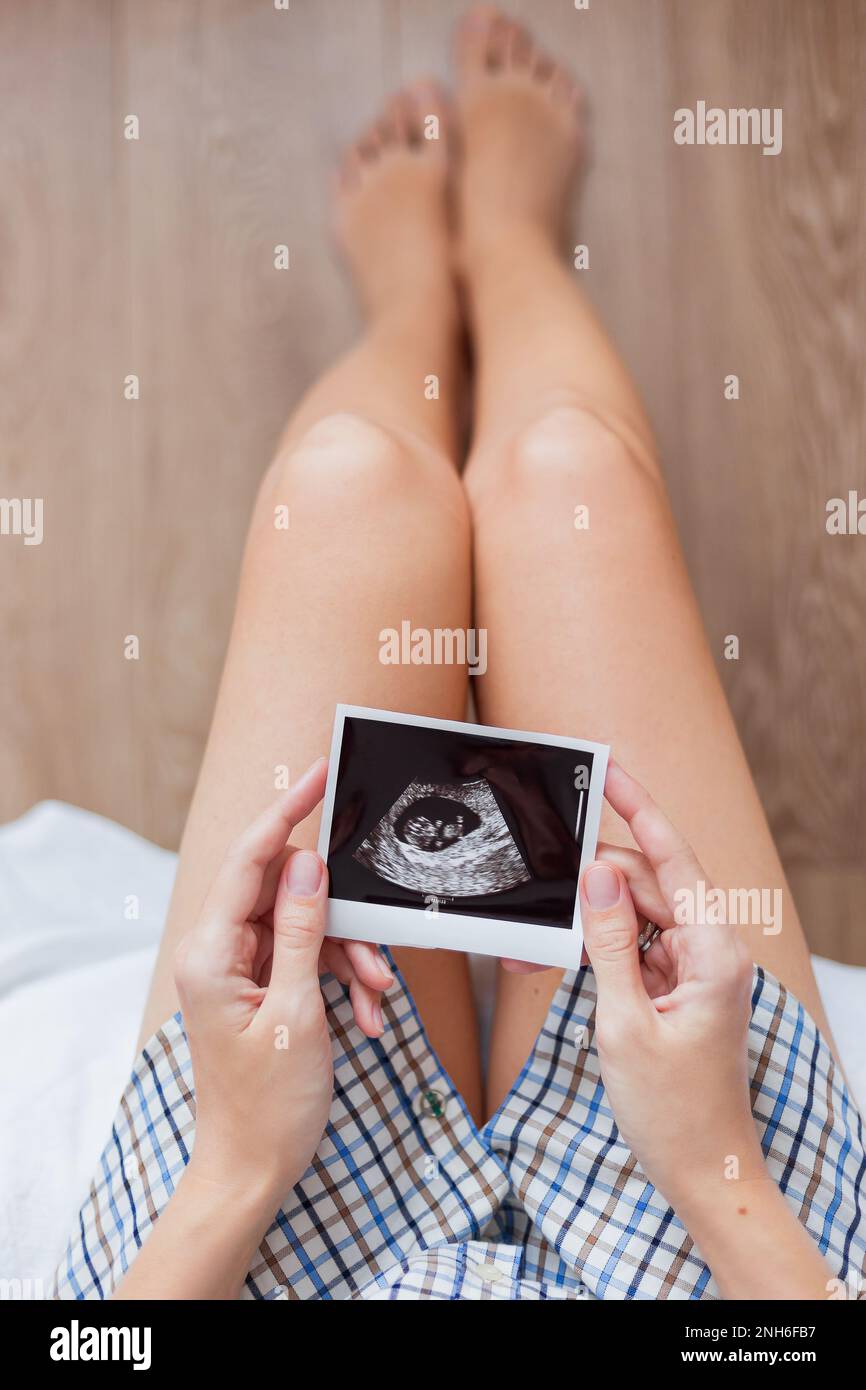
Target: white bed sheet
(74,970)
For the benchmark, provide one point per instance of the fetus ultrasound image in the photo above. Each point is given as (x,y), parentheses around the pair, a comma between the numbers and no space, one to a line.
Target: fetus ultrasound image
(470,823)
(451,841)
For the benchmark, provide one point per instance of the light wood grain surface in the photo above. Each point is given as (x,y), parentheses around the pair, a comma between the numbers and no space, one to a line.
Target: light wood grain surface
(155,257)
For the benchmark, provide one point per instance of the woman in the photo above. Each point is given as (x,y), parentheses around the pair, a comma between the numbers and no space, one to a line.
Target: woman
(722,1122)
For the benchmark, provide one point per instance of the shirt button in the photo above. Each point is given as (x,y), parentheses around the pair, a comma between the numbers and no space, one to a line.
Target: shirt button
(489,1273)
(433,1104)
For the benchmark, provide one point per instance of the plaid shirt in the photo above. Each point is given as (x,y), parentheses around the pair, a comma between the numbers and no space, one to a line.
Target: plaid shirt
(407,1199)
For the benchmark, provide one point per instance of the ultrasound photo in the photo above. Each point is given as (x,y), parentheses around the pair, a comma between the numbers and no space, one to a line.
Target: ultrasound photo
(448,839)
(480,830)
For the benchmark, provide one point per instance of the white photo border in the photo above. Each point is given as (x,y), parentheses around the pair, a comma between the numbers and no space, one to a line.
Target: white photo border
(388,925)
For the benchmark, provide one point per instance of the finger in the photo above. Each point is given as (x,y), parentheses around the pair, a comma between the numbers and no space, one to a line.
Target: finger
(237,886)
(642,882)
(367,1009)
(521,967)
(300,919)
(368,964)
(261,968)
(671,856)
(270,878)
(366,1002)
(333,961)
(610,930)
(658,969)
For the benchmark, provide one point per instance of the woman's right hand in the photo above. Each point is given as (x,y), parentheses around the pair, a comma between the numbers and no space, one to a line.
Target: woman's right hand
(671,1031)
(671,1023)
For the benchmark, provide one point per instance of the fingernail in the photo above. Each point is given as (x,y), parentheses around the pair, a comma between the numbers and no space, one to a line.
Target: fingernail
(601,886)
(383,970)
(304,873)
(377,1018)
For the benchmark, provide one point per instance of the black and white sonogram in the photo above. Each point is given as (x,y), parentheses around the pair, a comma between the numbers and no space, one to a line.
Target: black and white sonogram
(449,840)
(440,818)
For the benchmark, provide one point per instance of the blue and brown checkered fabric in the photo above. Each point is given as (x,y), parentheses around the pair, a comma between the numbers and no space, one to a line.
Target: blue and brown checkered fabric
(408,1199)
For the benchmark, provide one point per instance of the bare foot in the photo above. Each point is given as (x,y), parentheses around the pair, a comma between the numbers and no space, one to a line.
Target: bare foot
(522,126)
(392,215)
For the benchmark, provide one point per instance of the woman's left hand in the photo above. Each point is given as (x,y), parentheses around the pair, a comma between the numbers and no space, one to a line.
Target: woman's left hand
(248,981)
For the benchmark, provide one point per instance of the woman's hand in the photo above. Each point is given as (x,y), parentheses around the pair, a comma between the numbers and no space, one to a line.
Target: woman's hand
(671,1023)
(671,1031)
(248,982)
(247,979)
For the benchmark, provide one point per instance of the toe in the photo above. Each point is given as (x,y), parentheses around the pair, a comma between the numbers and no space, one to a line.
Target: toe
(475,38)
(400,114)
(428,115)
(498,38)
(387,130)
(520,49)
(368,146)
(562,88)
(543,68)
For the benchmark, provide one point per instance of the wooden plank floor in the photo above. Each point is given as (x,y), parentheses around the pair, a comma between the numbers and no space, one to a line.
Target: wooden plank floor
(155,258)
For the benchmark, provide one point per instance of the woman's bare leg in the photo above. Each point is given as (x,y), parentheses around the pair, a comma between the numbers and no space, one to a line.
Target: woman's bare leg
(378,532)
(592,632)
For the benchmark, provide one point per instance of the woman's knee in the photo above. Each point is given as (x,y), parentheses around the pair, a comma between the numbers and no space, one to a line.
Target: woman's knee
(341,452)
(568,451)
(349,468)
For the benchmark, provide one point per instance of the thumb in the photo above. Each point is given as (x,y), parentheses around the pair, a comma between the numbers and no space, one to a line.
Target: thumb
(610,931)
(300,915)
